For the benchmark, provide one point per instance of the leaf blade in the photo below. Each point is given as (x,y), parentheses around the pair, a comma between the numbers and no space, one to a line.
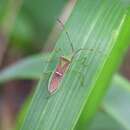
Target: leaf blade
(114,109)
(56,112)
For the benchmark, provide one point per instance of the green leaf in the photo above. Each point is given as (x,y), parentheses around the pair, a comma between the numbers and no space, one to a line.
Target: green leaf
(29,68)
(99,25)
(93,24)
(109,116)
(23,30)
(22,113)
(103,121)
(43,15)
(115,107)
(34,22)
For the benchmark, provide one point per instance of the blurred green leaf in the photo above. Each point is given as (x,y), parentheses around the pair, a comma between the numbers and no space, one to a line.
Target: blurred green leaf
(101,26)
(23,29)
(3,7)
(103,121)
(22,113)
(115,107)
(29,68)
(33,24)
(43,14)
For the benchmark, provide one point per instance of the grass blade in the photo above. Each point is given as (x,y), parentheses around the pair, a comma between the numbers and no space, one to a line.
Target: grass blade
(95,25)
(28,68)
(115,114)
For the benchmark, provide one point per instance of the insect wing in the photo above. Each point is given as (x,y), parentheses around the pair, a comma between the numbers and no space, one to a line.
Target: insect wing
(54,82)
(58,74)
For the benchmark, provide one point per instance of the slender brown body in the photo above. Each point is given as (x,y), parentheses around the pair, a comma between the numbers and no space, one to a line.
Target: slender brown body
(58,74)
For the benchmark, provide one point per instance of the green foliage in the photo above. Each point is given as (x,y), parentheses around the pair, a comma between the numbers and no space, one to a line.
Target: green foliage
(100,27)
(43,14)
(97,25)
(33,24)
(115,107)
(113,112)
(3,9)
(29,68)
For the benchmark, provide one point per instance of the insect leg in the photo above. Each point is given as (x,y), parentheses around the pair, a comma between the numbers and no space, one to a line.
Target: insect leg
(86,50)
(67,34)
(81,76)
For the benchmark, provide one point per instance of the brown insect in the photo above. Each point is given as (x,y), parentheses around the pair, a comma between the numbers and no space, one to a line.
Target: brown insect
(58,74)
(62,67)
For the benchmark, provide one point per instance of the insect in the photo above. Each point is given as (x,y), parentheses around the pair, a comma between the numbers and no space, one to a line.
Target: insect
(62,66)
(58,74)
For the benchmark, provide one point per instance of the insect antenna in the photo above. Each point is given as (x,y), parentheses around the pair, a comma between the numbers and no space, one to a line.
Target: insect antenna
(67,34)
